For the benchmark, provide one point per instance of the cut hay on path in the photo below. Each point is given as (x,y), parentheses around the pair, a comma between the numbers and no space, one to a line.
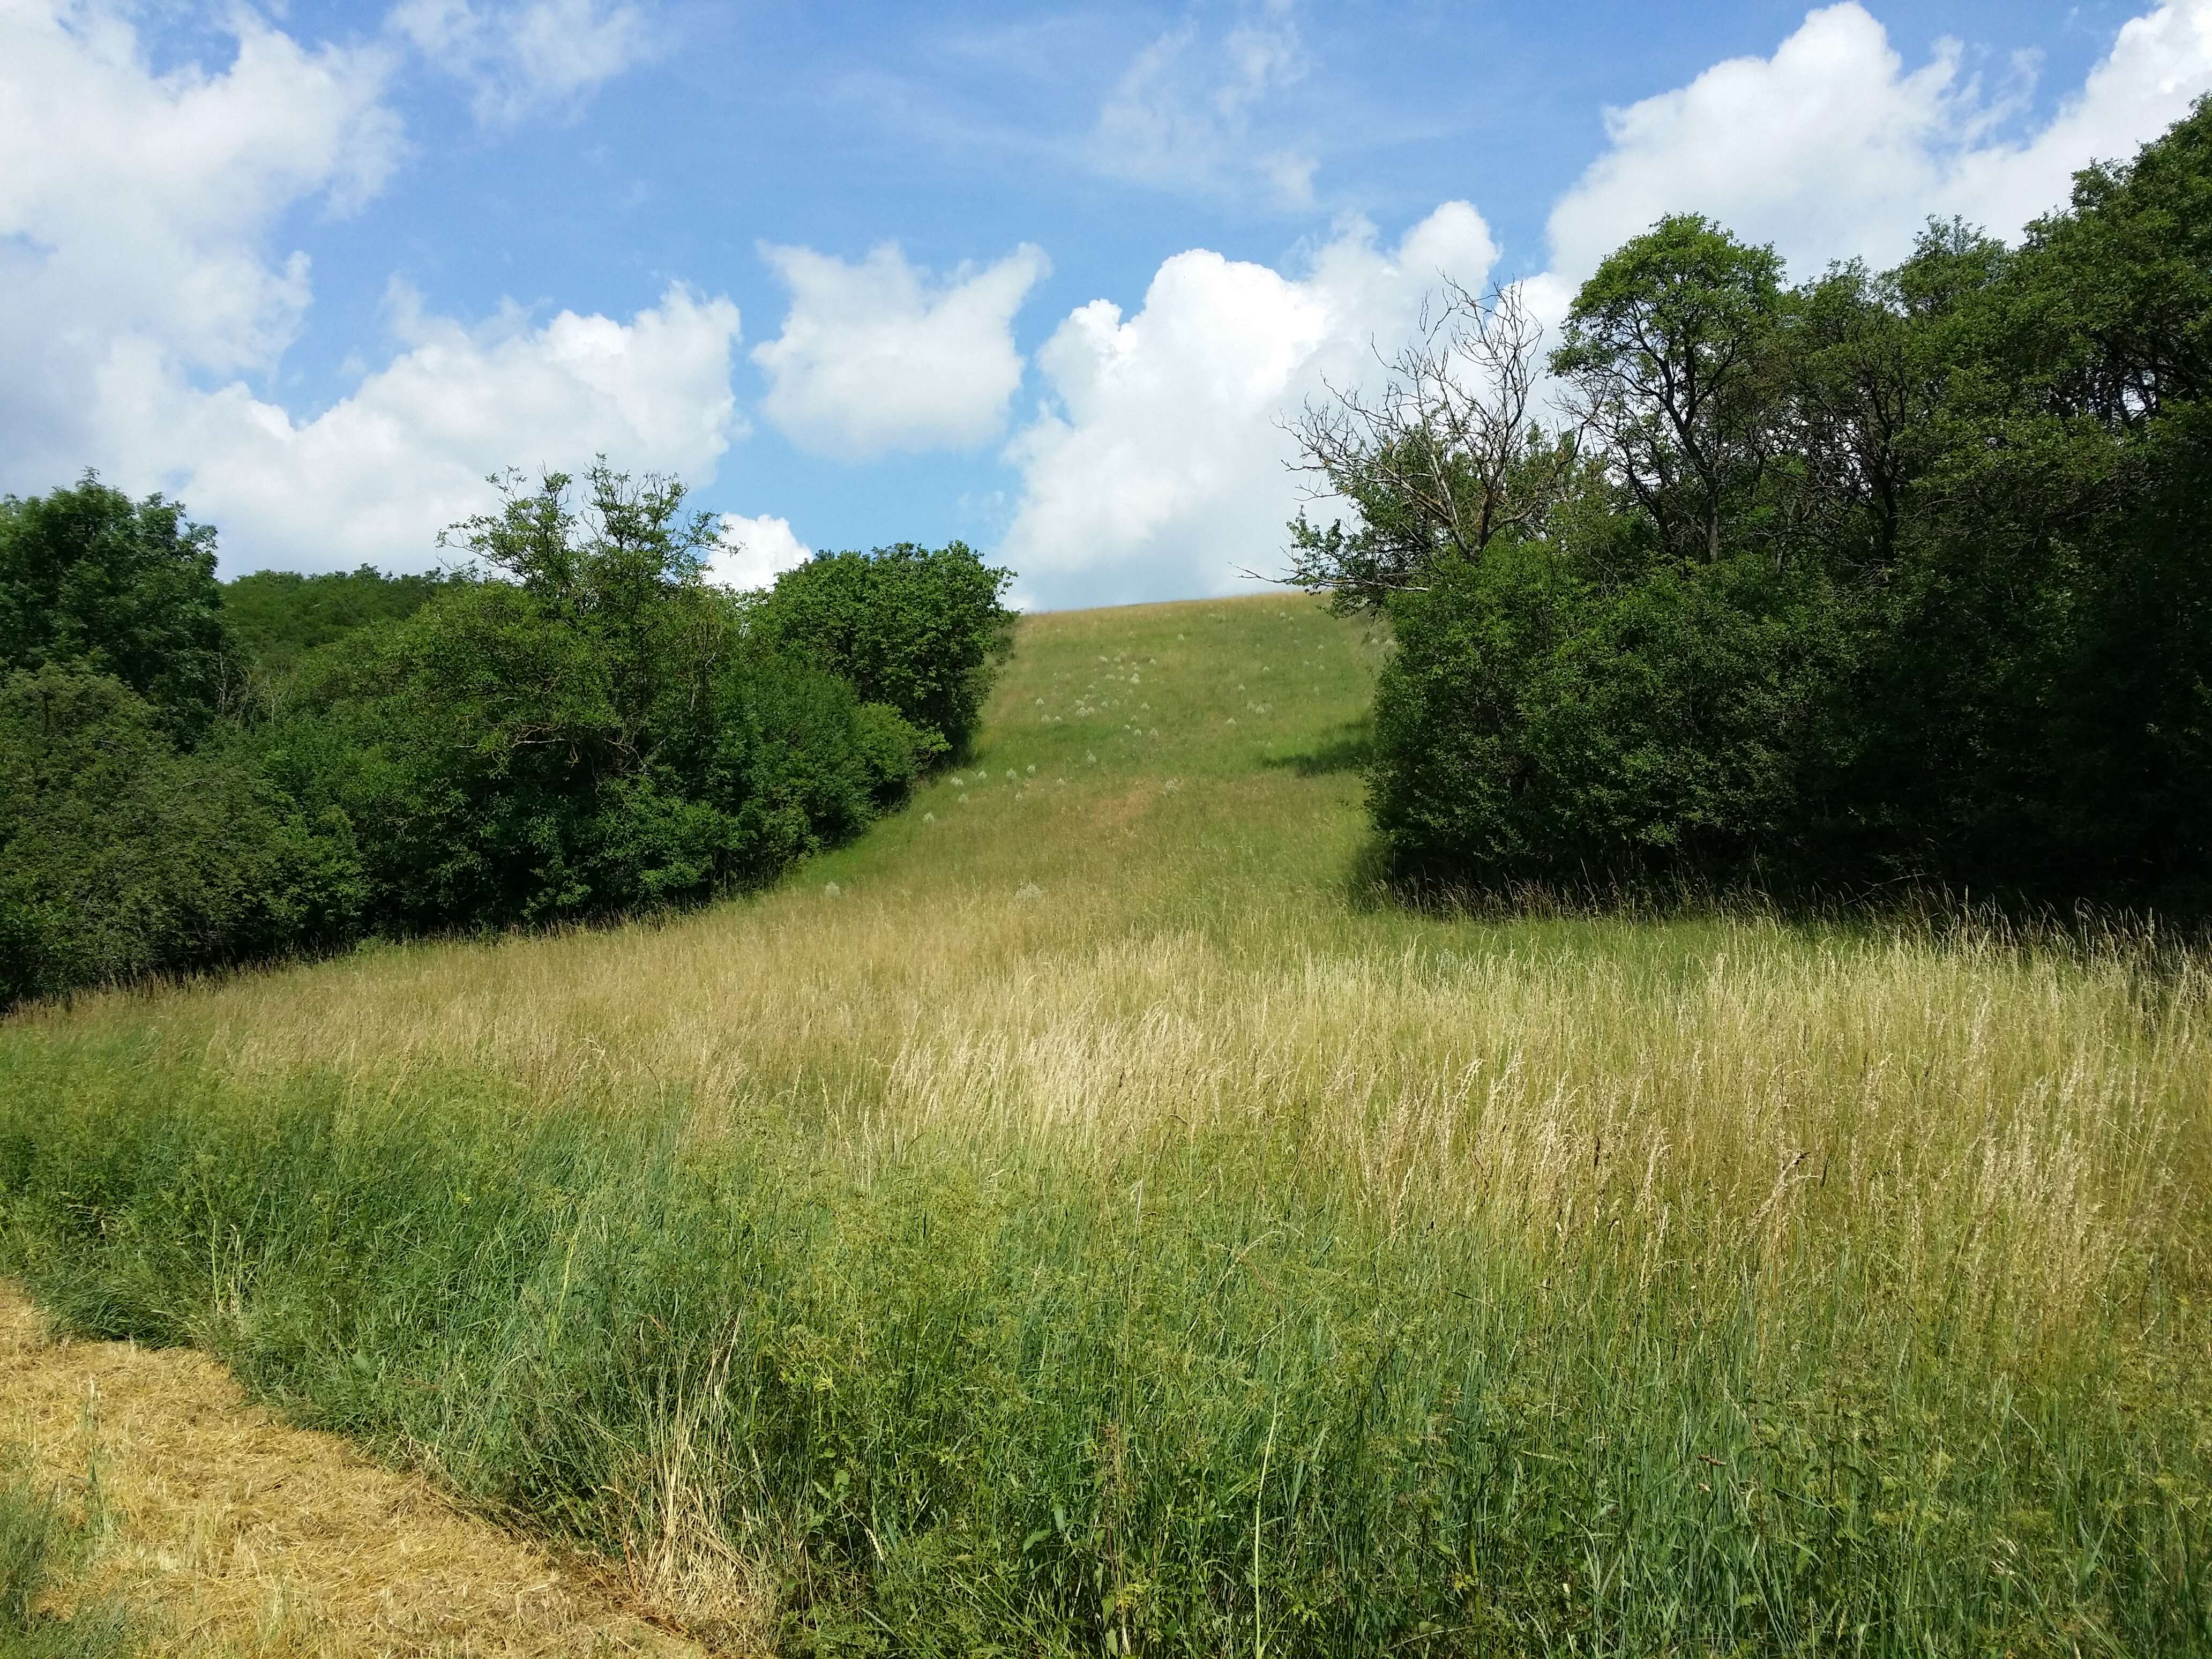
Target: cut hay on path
(243,1536)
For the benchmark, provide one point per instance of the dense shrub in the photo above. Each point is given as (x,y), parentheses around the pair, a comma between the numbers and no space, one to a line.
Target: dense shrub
(121,856)
(918,629)
(1536,718)
(482,747)
(576,725)
(1894,576)
(275,617)
(601,730)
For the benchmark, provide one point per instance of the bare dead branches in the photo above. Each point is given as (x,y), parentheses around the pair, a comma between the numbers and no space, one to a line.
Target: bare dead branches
(1443,458)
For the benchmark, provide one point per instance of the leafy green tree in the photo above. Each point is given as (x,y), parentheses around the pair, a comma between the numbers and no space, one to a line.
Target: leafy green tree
(2123,282)
(1668,347)
(921,629)
(2041,714)
(618,578)
(1634,682)
(575,725)
(91,579)
(1896,575)
(598,729)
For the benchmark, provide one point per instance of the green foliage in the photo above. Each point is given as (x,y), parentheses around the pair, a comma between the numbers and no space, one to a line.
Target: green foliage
(921,629)
(1667,346)
(92,580)
(1538,717)
(122,856)
(1894,576)
(2044,695)
(275,617)
(576,726)
(600,732)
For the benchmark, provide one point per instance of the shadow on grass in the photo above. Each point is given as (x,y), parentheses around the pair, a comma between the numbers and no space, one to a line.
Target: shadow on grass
(2161,945)
(1347,749)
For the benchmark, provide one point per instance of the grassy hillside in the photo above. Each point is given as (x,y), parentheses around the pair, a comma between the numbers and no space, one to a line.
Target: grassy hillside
(1079,1218)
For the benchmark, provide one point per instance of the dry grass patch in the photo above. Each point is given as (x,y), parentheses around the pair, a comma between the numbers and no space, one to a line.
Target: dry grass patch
(249,1537)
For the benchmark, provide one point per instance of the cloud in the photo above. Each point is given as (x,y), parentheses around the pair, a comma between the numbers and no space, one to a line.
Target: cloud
(1156,466)
(378,474)
(2160,64)
(1833,149)
(138,209)
(756,551)
(873,358)
(138,203)
(530,57)
(1182,116)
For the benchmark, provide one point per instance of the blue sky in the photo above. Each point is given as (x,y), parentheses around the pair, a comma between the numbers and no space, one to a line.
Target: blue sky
(1042,278)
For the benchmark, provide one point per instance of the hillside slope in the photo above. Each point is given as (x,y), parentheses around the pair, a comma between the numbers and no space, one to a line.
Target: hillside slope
(1082,1216)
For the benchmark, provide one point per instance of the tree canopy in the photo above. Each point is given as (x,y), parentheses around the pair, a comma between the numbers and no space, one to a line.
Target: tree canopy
(91,579)
(1886,575)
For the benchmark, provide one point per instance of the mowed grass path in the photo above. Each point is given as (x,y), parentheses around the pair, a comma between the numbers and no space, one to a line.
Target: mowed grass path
(1081,1216)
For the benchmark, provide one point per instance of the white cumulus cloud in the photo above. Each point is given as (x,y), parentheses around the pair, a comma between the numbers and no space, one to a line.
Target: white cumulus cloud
(137,207)
(1157,464)
(145,298)
(2160,64)
(1832,147)
(379,473)
(528,56)
(874,357)
(754,551)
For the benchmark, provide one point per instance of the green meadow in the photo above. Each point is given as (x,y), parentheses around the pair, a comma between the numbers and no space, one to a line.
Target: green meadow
(1088,1215)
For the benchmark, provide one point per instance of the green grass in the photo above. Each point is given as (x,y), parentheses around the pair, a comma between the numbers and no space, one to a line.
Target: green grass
(1101,1223)
(40,1546)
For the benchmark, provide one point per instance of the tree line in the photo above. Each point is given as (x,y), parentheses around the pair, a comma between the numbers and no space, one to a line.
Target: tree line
(1898,576)
(572,723)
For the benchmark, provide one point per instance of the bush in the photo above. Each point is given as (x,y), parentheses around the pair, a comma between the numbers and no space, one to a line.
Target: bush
(581,726)
(1537,721)
(121,856)
(275,617)
(602,731)
(920,629)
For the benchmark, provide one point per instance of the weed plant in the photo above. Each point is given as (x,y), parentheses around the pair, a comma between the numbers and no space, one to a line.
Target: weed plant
(1078,1218)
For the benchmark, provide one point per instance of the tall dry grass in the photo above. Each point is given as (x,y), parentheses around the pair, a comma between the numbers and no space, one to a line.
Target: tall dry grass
(2018,1126)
